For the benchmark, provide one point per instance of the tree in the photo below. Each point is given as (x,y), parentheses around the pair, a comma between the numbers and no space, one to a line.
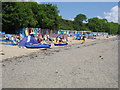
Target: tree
(97,25)
(113,28)
(47,16)
(102,25)
(80,18)
(66,24)
(78,21)
(16,15)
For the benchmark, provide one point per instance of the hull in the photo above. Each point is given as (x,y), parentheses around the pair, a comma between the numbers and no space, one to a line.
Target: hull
(38,46)
(61,44)
(4,40)
(8,43)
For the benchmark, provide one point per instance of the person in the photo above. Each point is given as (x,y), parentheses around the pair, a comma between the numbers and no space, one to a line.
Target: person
(83,39)
(32,35)
(44,38)
(62,36)
(61,40)
(107,36)
(73,38)
(17,39)
(39,39)
(50,39)
(13,38)
(79,38)
(7,38)
(56,39)
(94,36)
(66,38)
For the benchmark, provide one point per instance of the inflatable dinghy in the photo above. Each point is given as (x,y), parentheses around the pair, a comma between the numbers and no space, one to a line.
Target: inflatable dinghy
(8,43)
(38,46)
(60,44)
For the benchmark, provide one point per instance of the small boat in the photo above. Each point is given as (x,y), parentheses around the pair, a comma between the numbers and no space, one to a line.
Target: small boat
(4,40)
(8,43)
(60,44)
(38,46)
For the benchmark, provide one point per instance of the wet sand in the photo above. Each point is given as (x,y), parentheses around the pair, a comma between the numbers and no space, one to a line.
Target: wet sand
(90,65)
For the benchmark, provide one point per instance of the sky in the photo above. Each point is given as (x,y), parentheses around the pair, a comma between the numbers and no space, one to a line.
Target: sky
(69,10)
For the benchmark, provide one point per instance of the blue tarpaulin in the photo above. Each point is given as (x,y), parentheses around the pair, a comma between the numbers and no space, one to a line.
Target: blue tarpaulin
(24,42)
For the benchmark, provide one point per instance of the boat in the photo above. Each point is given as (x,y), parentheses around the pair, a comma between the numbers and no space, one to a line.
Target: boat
(60,44)
(38,46)
(8,44)
(4,40)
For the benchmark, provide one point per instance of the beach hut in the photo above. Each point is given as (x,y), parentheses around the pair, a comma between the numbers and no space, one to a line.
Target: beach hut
(27,40)
(54,35)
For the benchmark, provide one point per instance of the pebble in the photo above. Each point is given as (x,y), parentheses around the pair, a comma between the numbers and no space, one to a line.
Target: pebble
(2,54)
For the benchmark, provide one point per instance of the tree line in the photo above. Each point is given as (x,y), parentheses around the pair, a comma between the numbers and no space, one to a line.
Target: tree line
(16,15)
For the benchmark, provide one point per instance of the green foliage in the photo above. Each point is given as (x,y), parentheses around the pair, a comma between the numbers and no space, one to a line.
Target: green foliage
(113,28)
(17,15)
(80,18)
(66,24)
(118,32)
(97,25)
(78,21)
(102,25)
(28,14)
(47,16)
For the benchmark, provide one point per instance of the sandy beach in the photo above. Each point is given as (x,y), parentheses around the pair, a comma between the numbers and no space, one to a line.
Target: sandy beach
(93,64)
(7,51)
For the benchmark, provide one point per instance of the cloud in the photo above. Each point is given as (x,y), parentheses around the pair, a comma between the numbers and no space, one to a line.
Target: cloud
(71,19)
(112,16)
(38,1)
(68,19)
(85,21)
(99,17)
